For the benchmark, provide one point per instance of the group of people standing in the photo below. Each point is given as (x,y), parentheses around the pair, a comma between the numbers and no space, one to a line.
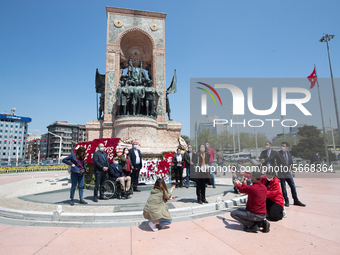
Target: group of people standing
(124,169)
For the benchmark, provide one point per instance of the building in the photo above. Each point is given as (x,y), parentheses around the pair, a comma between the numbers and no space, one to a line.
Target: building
(33,147)
(13,134)
(43,146)
(70,134)
(208,123)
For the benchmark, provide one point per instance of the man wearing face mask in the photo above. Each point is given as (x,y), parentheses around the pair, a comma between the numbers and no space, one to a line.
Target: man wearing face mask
(187,157)
(136,165)
(267,153)
(115,171)
(274,202)
(101,165)
(284,164)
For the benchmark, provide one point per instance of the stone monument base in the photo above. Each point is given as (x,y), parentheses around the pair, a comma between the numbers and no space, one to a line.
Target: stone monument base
(154,137)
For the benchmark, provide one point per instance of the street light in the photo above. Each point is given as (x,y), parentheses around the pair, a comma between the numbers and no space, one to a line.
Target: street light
(61,140)
(326,38)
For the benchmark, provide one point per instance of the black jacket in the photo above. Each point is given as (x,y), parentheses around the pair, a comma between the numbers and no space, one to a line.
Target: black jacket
(133,159)
(283,169)
(99,161)
(174,160)
(264,155)
(116,171)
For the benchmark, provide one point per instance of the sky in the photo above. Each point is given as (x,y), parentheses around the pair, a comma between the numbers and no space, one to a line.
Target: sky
(49,51)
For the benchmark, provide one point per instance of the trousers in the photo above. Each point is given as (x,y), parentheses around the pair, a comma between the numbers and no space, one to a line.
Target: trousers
(246,217)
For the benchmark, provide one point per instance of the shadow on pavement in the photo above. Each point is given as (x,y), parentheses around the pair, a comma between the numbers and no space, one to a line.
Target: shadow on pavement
(237,226)
(187,200)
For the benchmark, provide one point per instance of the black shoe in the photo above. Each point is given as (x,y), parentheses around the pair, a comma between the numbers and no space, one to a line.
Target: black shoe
(205,201)
(266,226)
(286,203)
(136,190)
(82,201)
(187,186)
(253,229)
(72,202)
(214,186)
(95,199)
(200,201)
(299,203)
(104,198)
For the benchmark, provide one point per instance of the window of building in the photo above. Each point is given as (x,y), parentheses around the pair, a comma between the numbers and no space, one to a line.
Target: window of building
(4,153)
(5,131)
(16,126)
(6,125)
(4,148)
(13,153)
(15,131)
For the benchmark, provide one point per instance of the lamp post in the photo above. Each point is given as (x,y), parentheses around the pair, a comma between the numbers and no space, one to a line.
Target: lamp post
(61,140)
(326,38)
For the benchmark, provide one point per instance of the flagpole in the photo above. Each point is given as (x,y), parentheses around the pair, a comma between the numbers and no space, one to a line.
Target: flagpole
(323,125)
(330,123)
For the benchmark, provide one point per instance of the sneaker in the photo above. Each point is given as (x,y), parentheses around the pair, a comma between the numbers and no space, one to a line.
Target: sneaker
(284,213)
(82,201)
(266,226)
(72,202)
(152,226)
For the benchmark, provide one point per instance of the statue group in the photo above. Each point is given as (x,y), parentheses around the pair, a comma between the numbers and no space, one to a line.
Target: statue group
(135,94)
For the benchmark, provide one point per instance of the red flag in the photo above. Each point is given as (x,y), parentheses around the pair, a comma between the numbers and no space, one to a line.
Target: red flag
(312,78)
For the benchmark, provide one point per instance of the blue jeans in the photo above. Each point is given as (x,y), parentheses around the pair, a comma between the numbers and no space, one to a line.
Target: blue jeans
(76,178)
(291,184)
(188,175)
(163,222)
(213,173)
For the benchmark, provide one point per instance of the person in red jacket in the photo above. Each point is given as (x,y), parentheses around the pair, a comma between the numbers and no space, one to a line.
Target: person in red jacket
(275,201)
(254,216)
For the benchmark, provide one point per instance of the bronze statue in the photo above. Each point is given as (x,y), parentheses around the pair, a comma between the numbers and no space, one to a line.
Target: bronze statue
(150,92)
(172,89)
(100,88)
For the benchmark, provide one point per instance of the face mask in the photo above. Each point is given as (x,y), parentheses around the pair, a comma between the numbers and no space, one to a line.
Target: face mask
(202,149)
(189,150)
(239,165)
(126,152)
(207,146)
(267,147)
(270,179)
(283,148)
(250,180)
(101,149)
(135,146)
(178,152)
(116,163)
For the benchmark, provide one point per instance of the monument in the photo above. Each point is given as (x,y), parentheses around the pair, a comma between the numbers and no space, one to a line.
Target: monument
(133,96)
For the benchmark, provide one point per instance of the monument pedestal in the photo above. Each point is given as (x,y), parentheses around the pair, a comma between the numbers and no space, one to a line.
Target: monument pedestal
(154,137)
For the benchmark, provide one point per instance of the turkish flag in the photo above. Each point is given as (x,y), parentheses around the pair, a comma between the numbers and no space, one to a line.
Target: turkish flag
(312,78)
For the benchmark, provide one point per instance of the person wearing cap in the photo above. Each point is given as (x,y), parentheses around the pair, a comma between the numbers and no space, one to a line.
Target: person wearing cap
(115,171)
(136,165)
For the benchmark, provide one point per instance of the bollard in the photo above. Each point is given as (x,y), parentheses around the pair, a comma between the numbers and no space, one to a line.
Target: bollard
(57,213)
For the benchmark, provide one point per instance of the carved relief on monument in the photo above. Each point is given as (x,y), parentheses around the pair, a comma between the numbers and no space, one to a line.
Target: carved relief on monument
(111,61)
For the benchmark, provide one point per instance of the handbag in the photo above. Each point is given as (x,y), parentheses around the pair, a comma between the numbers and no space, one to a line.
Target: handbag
(81,171)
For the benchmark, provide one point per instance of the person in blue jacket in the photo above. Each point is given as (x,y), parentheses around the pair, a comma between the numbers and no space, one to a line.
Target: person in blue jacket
(115,171)
(78,168)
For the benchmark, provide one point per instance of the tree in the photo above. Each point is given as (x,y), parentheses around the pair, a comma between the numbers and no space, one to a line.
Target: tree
(311,141)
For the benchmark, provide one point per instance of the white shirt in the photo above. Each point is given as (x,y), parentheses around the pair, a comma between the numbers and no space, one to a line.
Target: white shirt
(137,156)
(179,158)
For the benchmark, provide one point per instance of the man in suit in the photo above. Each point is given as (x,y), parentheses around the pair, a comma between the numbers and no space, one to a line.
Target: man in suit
(284,164)
(178,160)
(267,153)
(101,165)
(136,165)
(115,171)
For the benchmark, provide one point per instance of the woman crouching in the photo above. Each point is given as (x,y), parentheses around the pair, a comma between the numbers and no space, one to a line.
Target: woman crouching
(156,209)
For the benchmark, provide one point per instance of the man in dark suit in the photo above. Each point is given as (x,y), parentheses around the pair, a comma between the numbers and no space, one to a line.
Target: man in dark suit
(115,171)
(267,153)
(101,165)
(136,165)
(284,164)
